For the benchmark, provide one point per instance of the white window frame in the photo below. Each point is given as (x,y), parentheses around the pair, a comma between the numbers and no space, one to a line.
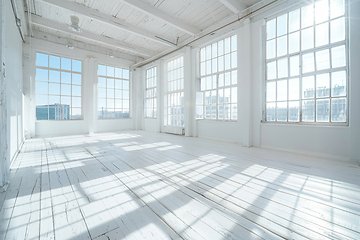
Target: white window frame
(216,75)
(312,73)
(60,95)
(176,94)
(116,99)
(150,93)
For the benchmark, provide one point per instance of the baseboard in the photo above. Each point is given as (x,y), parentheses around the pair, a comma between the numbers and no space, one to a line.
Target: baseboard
(308,153)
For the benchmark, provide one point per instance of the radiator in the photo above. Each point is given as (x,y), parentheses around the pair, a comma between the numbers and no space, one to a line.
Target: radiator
(174,130)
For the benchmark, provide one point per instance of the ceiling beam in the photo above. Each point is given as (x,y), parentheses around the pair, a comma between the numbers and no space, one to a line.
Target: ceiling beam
(156,13)
(234,5)
(39,21)
(107,19)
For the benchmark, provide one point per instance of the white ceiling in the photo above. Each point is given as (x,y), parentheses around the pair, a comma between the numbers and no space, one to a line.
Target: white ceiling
(132,26)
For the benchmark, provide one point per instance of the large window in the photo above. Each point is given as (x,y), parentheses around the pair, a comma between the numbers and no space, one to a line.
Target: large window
(113,92)
(58,87)
(150,93)
(217,98)
(306,60)
(175,97)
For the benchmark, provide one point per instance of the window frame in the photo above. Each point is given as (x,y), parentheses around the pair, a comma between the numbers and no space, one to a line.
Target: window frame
(300,53)
(180,91)
(60,70)
(155,95)
(216,74)
(114,98)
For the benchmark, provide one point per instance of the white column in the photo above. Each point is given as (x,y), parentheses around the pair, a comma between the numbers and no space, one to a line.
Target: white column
(195,75)
(188,93)
(354,83)
(244,85)
(137,98)
(89,93)
(160,94)
(3,116)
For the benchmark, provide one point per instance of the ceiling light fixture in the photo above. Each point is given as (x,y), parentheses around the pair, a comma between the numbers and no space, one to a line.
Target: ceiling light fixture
(70,46)
(74,24)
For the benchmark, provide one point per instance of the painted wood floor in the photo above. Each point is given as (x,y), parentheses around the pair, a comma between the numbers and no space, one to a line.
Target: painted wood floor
(141,185)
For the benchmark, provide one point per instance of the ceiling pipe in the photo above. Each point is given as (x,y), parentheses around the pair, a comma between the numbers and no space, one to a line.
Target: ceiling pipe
(141,64)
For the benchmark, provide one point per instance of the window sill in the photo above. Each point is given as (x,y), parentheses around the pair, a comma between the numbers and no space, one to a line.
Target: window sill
(297,124)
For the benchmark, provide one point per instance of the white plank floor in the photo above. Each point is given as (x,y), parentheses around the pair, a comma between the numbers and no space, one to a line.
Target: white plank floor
(141,185)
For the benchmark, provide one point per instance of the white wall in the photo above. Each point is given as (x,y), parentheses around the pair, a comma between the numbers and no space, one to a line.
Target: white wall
(89,122)
(12,97)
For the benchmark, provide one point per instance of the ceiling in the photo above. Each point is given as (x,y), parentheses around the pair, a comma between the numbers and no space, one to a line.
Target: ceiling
(143,28)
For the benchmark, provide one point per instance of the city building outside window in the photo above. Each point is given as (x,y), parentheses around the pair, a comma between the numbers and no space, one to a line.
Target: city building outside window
(150,110)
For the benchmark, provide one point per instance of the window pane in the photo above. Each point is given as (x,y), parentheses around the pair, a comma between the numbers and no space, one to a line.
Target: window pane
(76,65)
(102,92)
(271,70)
(76,113)
(208,52)
(322,60)
(337,8)
(282,46)
(322,34)
(281,111)
(76,79)
(126,75)
(214,50)
(294,111)
(54,88)
(65,89)
(227,61)
(337,30)
(126,85)
(66,77)
(54,100)
(233,95)
(308,87)
(322,85)
(101,103)
(42,60)
(234,43)
(233,111)
(76,90)
(54,62)
(338,84)
(110,83)
(294,20)
(118,103)
(282,90)
(322,110)
(283,68)
(307,38)
(321,11)
(110,104)
(66,64)
(101,82)
(54,76)
(233,60)
(294,66)
(227,95)
(221,47)
(102,70)
(270,49)
(308,63)
(308,109)
(294,42)
(271,91)
(294,89)
(76,102)
(42,75)
(271,29)
(110,93)
(227,79)
(110,71)
(270,112)
(42,100)
(338,110)
(227,45)
(338,57)
(307,16)
(282,25)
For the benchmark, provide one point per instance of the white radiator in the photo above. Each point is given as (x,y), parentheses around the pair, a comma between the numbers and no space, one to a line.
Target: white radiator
(174,130)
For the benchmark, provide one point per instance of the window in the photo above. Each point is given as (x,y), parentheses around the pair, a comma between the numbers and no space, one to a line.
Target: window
(113,92)
(175,97)
(306,75)
(58,87)
(150,93)
(217,98)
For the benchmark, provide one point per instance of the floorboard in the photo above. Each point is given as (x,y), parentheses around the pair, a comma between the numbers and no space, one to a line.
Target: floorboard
(142,185)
